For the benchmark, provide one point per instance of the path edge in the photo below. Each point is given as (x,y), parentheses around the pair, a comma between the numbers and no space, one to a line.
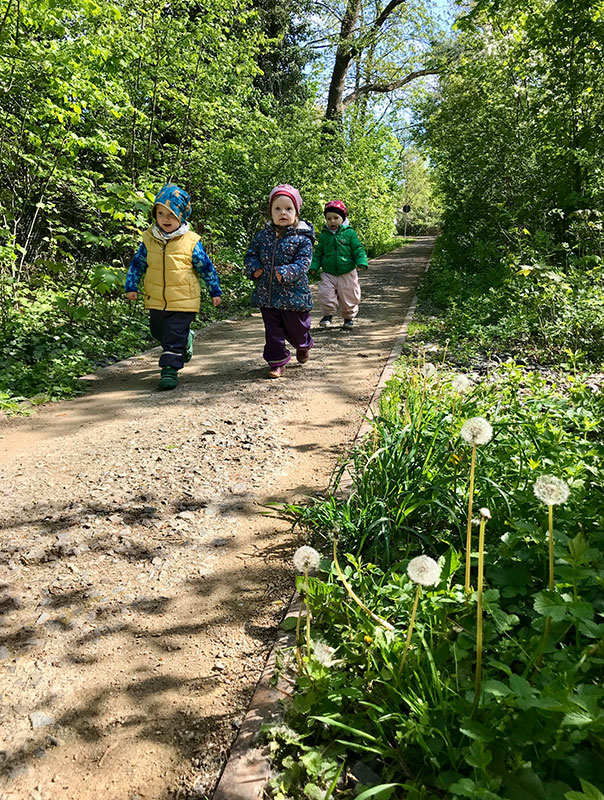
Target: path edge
(247,769)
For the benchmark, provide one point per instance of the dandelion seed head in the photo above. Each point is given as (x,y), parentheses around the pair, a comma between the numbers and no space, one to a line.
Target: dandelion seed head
(428,370)
(476,430)
(424,570)
(551,490)
(323,653)
(461,384)
(306,559)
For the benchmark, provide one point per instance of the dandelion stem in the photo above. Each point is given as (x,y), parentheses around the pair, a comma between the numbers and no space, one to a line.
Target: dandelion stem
(478,679)
(469,528)
(307,613)
(298,654)
(410,630)
(350,591)
(551,548)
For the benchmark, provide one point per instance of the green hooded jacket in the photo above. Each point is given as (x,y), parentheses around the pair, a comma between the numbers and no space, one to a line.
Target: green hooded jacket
(339,252)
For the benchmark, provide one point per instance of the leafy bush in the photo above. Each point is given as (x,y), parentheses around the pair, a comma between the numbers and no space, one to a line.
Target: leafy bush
(416,721)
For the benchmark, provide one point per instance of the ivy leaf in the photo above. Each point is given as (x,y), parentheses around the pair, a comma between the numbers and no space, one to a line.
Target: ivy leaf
(549,604)
(496,688)
(524,785)
(589,792)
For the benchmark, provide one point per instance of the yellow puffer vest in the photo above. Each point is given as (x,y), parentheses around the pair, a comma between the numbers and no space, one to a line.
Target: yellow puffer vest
(171,283)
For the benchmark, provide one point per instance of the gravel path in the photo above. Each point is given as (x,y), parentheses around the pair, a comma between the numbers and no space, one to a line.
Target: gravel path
(141,580)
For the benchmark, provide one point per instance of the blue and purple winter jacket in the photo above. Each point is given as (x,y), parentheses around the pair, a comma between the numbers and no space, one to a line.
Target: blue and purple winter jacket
(288,255)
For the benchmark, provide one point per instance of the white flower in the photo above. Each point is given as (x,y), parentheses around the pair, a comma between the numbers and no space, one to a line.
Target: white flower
(323,653)
(550,490)
(476,431)
(461,384)
(424,570)
(306,559)
(428,370)
(485,513)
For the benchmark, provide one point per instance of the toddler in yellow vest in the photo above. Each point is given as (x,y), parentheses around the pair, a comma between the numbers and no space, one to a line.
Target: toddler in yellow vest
(171,258)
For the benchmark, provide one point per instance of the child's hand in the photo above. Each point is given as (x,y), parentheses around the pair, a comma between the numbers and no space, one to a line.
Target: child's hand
(258,272)
(278,276)
(131,295)
(216,301)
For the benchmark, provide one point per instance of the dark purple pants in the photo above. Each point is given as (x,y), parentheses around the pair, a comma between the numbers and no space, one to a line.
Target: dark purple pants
(171,329)
(281,326)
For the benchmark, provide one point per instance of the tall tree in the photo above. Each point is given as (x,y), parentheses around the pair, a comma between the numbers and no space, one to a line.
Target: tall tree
(362,31)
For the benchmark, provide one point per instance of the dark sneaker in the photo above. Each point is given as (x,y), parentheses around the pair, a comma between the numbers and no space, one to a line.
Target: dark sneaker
(169,379)
(189,348)
(325,322)
(348,324)
(276,372)
(302,356)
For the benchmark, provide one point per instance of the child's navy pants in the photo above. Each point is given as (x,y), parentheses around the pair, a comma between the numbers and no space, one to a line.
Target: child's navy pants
(280,326)
(171,329)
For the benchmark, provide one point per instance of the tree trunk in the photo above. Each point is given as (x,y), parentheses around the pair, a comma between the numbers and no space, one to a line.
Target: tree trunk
(344,55)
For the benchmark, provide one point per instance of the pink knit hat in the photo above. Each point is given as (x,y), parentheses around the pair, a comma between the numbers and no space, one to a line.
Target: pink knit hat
(288,191)
(336,206)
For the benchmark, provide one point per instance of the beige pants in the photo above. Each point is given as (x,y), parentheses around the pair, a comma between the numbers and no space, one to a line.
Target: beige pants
(339,290)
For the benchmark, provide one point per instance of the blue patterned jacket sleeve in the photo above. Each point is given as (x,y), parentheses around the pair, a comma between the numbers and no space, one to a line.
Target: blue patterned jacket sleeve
(204,267)
(252,261)
(136,270)
(294,271)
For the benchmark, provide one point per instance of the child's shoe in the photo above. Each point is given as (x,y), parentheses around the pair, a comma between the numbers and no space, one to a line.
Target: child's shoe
(169,379)
(348,324)
(276,372)
(325,322)
(189,348)
(302,356)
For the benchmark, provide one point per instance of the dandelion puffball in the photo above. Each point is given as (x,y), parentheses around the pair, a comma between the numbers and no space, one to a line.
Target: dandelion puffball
(550,490)
(476,430)
(461,384)
(306,559)
(424,570)
(323,653)
(428,370)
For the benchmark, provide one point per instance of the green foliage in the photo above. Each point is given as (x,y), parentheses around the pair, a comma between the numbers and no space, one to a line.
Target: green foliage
(105,102)
(537,725)
(513,137)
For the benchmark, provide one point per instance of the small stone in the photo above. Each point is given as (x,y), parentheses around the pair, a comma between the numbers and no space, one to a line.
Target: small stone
(44,617)
(39,719)
(35,554)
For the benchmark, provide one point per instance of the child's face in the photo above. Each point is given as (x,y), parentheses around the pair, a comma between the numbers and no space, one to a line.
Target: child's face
(333,220)
(283,211)
(166,220)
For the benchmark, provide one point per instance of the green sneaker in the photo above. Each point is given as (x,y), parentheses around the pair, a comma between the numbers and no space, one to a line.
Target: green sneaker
(189,350)
(169,379)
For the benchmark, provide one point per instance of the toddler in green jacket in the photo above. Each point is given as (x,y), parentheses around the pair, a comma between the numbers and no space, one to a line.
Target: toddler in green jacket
(338,255)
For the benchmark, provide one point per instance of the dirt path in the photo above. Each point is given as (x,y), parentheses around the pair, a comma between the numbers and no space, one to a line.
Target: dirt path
(140,582)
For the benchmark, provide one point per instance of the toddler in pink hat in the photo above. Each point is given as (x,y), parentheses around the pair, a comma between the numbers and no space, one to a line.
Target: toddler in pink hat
(277,261)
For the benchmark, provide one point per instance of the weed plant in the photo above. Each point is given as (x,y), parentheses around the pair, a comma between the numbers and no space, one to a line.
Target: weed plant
(422,719)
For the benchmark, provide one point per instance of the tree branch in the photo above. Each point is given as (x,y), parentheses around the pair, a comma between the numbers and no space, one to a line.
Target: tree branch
(371,88)
(379,21)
